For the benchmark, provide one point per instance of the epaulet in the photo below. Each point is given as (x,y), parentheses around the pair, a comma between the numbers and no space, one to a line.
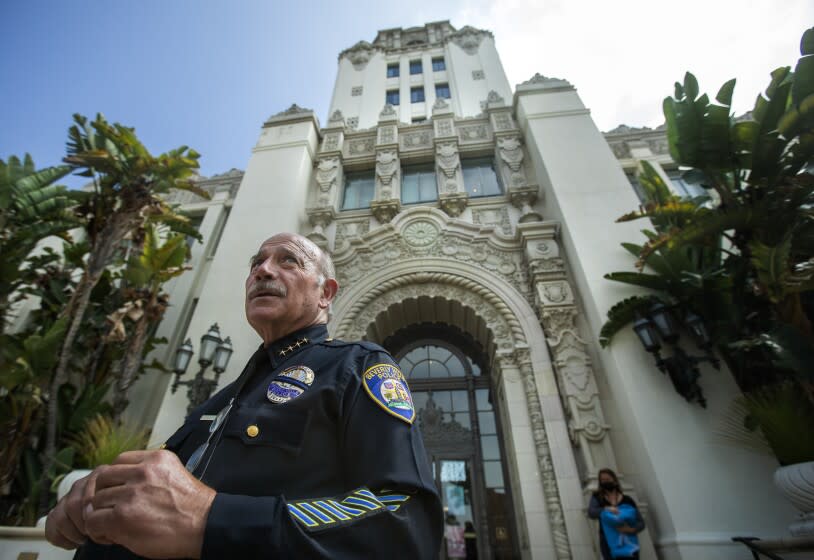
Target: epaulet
(371,346)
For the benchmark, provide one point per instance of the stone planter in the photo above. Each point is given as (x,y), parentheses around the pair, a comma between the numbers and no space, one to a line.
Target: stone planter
(28,543)
(796,482)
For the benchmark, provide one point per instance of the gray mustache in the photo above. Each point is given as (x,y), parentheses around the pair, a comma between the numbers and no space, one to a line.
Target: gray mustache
(269,287)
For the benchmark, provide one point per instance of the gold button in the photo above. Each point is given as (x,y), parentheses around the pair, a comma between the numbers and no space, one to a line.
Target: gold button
(163,446)
(252,431)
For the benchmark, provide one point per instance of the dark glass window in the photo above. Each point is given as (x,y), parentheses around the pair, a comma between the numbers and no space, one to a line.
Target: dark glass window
(480,178)
(417,95)
(442,90)
(359,189)
(415,67)
(438,64)
(392,97)
(393,70)
(418,184)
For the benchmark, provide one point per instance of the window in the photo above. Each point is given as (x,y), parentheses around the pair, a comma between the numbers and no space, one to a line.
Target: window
(682,187)
(480,178)
(442,90)
(392,97)
(438,64)
(415,67)
(393,70)
(358,190)
(417,95)
(418,184)
(417,120)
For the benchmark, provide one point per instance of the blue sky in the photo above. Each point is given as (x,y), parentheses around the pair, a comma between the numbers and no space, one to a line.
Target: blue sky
(207,73)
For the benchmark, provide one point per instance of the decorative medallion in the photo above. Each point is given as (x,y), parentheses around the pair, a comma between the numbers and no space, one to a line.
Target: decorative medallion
(420,233)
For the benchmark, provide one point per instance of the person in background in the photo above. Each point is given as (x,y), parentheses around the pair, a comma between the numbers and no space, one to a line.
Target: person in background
(619,518)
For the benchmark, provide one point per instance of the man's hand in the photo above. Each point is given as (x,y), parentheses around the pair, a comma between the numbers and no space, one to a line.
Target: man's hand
(626,529)
(147,502)
(65,525)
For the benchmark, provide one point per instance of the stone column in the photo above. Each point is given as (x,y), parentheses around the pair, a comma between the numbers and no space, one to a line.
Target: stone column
(452,196)
(387,199)
(328,179)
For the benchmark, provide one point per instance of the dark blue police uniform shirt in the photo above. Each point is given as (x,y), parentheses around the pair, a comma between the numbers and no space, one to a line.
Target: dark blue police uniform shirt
(311,465)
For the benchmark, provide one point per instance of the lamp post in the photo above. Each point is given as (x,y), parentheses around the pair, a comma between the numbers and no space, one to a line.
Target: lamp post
(680,367)
(214,351)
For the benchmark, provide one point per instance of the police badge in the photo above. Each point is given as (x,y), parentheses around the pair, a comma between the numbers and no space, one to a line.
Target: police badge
(387,387)
(290,384)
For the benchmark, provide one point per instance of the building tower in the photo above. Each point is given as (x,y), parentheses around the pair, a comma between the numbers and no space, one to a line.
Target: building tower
(471,226)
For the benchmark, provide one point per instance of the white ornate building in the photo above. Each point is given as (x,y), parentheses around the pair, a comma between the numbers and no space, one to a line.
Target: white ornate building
(471,225)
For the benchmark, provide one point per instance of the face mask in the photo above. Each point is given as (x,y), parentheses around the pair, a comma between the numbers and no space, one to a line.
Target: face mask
(608,486)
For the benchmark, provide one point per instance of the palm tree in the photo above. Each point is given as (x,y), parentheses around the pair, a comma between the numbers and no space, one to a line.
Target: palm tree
(127,184)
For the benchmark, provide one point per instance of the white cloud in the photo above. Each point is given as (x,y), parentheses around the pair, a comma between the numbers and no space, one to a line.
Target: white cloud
(623,57)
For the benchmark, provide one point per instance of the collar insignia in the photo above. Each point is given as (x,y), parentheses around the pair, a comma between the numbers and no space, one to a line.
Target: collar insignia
(290,348)
(386,385)
(290,384)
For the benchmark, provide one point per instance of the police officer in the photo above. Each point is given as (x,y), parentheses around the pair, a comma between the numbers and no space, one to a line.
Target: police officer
(310,453)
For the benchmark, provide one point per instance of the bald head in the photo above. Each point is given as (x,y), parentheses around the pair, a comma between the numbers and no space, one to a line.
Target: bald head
(290,286)
(320,259)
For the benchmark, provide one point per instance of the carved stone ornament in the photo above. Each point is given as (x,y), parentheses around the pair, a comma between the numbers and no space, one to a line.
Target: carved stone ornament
(502,121)
(478,75)
(443,128)
(387,134)
(352,123)
(453,203)
(294,110)
(388,112)
(523,197)
(331,142)
(387,163)
(494,98)
(421,233)
(473,133)
(336,119)
(327,171)
(385,210)
(539,79)
(412,140)
(448,158)
(497,217)
(468,38)
(359,54)
(440,105)
(361,146)
(320,218)
(511,154)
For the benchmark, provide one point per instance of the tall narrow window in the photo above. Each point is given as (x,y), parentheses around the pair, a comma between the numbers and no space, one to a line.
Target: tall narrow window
(359,189)
(418,184)
(393,70)
(438,64)
(480,178)
(417,95)
(392,97)
(415,67)
(682,187)
(442,90)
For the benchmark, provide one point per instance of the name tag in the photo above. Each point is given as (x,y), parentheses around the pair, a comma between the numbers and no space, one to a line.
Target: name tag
(208,417)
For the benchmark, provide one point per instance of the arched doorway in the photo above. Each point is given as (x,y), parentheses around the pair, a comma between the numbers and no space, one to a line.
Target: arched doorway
(448,375)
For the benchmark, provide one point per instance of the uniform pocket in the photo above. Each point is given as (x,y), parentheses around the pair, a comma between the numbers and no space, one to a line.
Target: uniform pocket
(269,426)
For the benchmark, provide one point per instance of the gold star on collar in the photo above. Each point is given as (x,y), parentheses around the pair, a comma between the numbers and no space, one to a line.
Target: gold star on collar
(292,347)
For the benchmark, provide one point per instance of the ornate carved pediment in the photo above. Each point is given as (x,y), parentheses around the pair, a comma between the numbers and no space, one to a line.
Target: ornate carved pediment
(468,38)
(359,54)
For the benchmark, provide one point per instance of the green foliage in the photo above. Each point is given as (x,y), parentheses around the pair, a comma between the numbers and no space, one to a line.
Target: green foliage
(70,347)
(31,209)
(103,439)
(740,259)
(770,420)
(622,314)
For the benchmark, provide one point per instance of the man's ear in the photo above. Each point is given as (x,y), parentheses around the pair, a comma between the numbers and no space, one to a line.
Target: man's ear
(329,289)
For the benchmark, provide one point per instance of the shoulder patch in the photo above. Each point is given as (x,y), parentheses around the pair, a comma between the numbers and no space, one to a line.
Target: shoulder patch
(387,387)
